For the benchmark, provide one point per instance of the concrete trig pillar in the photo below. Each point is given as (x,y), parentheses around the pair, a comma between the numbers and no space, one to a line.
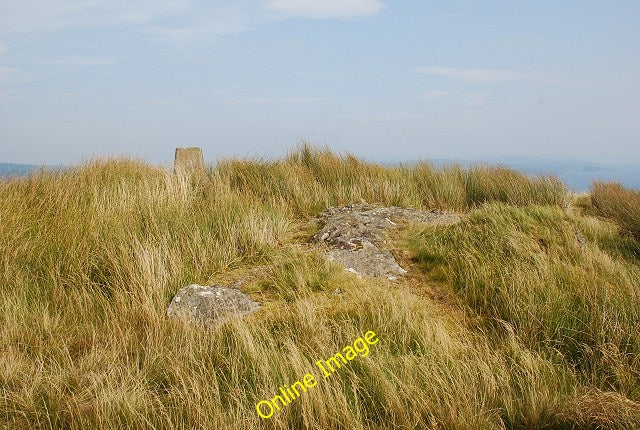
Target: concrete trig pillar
(188,160)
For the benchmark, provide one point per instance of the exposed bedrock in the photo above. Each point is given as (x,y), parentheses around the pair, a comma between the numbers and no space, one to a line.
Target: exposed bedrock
(355,235)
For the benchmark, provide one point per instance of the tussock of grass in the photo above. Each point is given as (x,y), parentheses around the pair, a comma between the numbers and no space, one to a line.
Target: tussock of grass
(90,257)
(610,410)
(618,203)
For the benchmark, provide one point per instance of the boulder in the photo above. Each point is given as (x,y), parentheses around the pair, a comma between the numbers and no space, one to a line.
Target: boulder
(209,305)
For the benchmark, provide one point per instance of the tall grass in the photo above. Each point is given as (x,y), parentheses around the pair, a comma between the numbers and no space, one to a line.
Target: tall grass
(90,258)
(310,179)
(526,267)
(614,201)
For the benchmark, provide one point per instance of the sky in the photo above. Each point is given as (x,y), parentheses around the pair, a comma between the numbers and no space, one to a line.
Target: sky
(384,80)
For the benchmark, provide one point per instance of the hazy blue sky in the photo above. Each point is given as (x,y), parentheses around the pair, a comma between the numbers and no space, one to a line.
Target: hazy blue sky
(383,79)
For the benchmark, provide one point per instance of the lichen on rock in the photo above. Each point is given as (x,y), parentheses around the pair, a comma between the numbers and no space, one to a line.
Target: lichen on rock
(210,305)
(355,235)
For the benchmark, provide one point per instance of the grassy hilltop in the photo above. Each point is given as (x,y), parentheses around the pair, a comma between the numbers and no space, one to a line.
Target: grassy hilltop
(526,314)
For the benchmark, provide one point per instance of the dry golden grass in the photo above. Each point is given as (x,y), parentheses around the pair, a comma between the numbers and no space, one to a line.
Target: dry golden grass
(540,332)
(612,200)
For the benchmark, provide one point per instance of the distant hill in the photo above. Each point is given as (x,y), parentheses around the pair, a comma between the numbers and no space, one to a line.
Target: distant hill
(575,173)
(578,175)
(10,169)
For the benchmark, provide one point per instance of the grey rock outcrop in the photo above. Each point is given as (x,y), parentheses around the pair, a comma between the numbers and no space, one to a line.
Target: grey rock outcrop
(355,235)
(210,305)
